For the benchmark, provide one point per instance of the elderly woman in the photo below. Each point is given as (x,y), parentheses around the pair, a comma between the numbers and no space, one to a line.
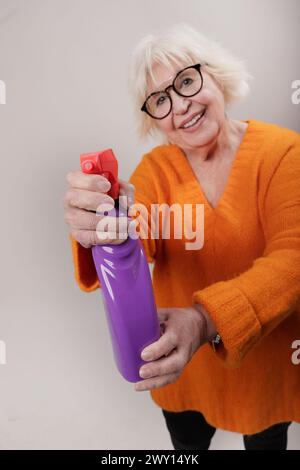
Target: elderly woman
(231,307)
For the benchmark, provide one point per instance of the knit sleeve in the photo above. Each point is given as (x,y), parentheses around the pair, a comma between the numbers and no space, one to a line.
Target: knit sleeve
(84,269)
(249,306)
(145,195)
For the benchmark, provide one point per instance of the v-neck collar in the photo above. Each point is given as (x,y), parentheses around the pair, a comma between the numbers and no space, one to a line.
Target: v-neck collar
(189,187)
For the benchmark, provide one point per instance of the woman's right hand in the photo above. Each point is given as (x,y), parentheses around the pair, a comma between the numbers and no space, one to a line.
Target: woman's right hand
(85,194)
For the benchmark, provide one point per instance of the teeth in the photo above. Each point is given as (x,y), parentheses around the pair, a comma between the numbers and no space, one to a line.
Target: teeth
(194,120)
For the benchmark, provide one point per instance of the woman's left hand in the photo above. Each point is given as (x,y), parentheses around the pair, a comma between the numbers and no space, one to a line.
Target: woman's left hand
(184,331)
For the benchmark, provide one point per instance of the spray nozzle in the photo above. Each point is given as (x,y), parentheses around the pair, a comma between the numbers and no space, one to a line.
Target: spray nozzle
(102,163)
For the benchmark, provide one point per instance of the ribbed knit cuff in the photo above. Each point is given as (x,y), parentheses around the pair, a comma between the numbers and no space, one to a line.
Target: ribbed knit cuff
(85,271)
(234,318)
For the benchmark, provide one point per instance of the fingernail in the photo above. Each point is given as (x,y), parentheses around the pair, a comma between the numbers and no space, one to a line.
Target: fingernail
(143,373)
(104,185)
(146,355)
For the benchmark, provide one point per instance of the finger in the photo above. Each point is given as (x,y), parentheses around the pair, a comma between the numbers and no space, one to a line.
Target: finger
(155,382)
(126,192)
(80,219)
(88,238)
(110,237)
(126,187)
(171,364)
(166,343)
(163,314)
(119,228)
(80,180)
(88,200)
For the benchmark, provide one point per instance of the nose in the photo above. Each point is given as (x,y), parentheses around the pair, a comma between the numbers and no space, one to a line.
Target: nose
(180,103)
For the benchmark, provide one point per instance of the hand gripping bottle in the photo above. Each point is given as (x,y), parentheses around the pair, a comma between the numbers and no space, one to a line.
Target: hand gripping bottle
(125,280)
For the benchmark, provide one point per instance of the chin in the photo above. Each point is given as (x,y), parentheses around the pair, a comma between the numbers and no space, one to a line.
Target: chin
(199,139)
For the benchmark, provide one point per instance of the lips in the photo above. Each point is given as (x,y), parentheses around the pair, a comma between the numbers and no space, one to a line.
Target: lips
(189,119)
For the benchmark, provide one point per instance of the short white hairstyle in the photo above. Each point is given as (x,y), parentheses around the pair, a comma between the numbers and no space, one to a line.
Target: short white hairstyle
(182,45)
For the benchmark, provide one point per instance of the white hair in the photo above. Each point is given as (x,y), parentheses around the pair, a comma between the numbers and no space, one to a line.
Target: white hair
(181,45)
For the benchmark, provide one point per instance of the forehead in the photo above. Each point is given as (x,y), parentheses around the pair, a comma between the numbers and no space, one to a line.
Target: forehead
(162,76)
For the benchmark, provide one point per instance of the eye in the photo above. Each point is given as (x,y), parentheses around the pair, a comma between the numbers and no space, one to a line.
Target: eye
(160,100)
(187,82)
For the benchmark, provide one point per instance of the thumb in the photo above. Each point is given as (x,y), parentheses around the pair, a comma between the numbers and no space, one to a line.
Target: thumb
(127,190)
(163,314)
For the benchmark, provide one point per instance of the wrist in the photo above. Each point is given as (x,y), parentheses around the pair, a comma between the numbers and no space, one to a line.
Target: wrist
(211,330)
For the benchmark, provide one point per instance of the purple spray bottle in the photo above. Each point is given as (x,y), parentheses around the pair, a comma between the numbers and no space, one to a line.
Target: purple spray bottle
(125,281)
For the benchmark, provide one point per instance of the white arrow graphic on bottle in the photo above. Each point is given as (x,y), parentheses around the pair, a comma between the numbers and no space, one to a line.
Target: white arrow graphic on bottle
(105,273)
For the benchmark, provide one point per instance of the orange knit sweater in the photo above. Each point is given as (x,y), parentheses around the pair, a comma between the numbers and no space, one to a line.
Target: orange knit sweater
(247,276)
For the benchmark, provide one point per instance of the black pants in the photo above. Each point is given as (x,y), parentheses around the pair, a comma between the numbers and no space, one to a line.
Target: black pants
(190,431)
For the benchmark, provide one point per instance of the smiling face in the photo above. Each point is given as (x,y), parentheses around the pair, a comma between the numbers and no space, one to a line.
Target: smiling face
(186,111)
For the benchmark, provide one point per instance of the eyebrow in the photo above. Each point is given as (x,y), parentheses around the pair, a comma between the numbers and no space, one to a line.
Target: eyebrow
(162,86)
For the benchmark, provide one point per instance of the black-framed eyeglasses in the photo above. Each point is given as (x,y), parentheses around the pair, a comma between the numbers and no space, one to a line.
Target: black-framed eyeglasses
(187,82)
